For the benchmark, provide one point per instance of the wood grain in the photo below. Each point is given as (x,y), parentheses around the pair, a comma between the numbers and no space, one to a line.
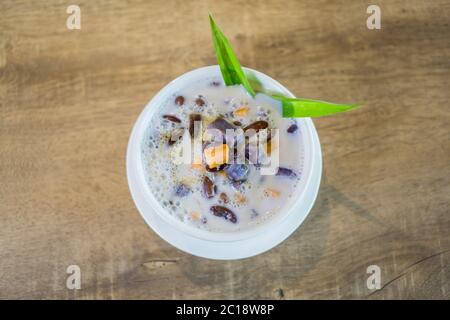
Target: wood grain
(69,98)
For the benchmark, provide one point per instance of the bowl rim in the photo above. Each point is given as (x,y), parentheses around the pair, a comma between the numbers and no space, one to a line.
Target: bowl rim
(134,162)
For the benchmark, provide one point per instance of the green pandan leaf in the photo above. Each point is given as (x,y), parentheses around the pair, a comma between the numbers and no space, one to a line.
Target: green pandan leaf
(229,64)
(233,74)
(298,108)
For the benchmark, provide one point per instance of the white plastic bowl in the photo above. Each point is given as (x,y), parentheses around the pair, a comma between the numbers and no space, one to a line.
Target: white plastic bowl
(233,245)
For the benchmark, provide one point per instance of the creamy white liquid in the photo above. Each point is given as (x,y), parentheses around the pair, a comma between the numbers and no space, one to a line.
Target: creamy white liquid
(258,199)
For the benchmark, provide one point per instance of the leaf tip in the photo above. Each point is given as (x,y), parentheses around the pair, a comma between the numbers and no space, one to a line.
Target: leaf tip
(211,20)
(353,106)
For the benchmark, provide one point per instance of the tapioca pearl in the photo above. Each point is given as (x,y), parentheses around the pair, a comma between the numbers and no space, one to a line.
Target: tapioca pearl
(233,102)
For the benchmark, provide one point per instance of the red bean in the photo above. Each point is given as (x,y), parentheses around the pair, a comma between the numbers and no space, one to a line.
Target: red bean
(223,197)
(179,100)
(200,102)
(258,125)
(171,118)
(221,124)
(209,189)
(226,213)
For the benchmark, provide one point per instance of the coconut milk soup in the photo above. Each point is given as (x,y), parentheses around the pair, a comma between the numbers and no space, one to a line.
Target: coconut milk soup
(218,190)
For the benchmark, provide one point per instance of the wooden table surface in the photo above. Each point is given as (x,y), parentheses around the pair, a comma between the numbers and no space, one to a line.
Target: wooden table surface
(69,98)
